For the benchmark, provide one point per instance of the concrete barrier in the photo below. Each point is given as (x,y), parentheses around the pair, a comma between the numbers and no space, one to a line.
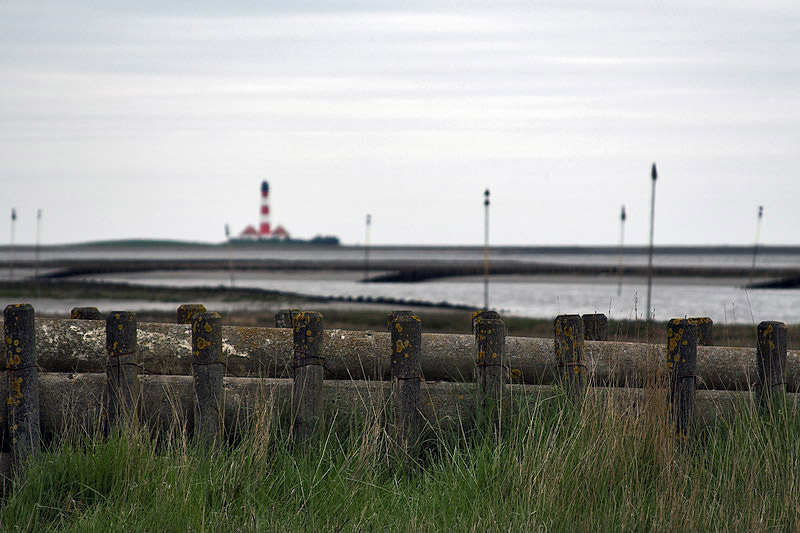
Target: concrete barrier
(75,401)
(79,346)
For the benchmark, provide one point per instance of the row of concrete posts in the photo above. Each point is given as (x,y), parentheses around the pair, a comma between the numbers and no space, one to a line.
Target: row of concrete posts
(23,436)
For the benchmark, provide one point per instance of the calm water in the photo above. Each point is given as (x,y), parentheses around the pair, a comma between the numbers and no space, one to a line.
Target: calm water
(525,296)
(740,257)
(530,296)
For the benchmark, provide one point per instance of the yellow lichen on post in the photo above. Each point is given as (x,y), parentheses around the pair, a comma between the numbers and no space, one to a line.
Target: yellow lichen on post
(208,369)
(681,362)
(406,371)
(23,382)
(568,347)
(771,354)
(308,363)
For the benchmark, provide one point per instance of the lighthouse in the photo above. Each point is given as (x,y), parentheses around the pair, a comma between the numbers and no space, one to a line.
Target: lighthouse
(264,231)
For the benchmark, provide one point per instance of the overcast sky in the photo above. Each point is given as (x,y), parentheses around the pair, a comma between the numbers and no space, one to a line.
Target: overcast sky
(159,119)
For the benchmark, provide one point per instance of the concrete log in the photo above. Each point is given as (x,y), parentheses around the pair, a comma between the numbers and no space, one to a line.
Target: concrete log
(70,345)
(73,402)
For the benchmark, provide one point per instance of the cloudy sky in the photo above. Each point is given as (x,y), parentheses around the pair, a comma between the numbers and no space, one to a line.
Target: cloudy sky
(159,119)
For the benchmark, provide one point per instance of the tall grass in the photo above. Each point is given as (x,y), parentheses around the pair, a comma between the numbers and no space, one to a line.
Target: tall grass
(551,468)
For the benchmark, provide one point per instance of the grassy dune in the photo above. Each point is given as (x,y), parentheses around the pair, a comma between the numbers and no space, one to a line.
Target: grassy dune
(553,469)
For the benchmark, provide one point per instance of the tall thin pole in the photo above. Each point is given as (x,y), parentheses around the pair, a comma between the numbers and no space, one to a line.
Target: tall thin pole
(486,250)
(755,245)
(36,247)
(621,250)
(654,175)
(11,244)
(366,246)
(230,252)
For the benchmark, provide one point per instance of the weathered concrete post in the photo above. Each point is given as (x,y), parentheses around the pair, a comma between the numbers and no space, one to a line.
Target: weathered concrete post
(491,344)
(23,382)
(595,327)
(704,330)
(121,368)
(186,312)
(406,378)
(284,318)
(482,314)
(85,313)
(681,362)
(5,437)
(208,369)
(771,362)
(309,372)
(394,314)
(569,344)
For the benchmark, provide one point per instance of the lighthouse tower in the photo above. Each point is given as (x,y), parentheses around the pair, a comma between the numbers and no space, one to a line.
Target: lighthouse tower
(264,230)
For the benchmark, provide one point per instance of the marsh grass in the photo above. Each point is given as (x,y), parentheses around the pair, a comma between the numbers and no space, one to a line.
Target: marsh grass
(552,467)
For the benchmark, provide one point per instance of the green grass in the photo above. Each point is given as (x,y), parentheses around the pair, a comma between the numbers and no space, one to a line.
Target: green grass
(552,469)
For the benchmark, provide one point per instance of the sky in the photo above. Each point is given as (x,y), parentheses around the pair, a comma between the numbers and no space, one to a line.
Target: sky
(159,119)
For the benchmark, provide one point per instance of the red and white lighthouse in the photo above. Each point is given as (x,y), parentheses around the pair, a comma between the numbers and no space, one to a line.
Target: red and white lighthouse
(264,230)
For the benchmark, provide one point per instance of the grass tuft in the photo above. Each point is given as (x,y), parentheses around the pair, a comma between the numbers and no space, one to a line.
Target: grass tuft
(552,467)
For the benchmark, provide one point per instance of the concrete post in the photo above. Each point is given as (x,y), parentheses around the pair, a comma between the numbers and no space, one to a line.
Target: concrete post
(5,437)
(284,318)
(771,362)
(208,369)
(394,314)
(309,372)
(406,379)
(482,314)
(85,313)
(121,368)
(569,344)
(491,344)
(23,382)
(187,311)
(704,331)
(681,362)
(595,327)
